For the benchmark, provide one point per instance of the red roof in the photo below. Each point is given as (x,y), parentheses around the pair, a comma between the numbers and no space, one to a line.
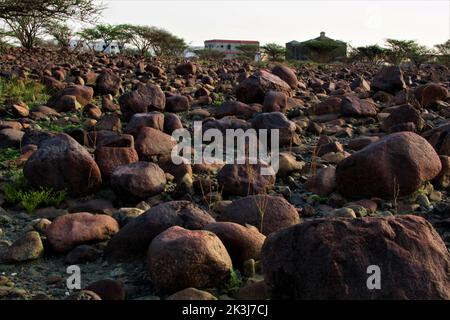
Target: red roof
(233,41)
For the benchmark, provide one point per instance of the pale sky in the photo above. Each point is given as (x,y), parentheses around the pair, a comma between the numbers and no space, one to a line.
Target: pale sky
(356,22)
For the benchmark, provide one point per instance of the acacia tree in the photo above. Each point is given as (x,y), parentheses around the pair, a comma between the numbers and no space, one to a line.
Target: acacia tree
(105,32)
(400,50)
(247,52)
(371,53)
(123,36)
(159,41)
(166,44)
(141,38)
(27,19)
(274,51)
(83,10)
(443,52)
(27,29)
(61,32)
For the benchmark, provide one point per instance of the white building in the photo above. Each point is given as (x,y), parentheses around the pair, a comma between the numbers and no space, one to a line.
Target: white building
(229,47)
(98,46)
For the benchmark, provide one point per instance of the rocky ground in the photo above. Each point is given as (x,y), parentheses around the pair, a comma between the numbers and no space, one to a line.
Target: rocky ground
(87,180)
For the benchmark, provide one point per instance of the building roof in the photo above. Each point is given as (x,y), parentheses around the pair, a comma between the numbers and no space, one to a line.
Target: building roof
(233,41)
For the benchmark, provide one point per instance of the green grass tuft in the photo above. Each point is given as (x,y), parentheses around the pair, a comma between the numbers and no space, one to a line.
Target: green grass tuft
(18,191)
(9,154)
(31,92)
(33,198)
(231,284)
(220,98)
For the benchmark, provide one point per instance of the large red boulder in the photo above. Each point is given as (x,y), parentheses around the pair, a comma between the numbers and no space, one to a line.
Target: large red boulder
(179,258)
(253,89)
(429,93)
(267,213)
(152,142)
(277,121)
(352,106)
(235,108)
(393,166)
(286,74)
(145,98)
(108,83)
(439,138)
(186,69)
(400,116)
(389,79)
(110,158)
(138,121)
(138,179)
(332,259)
(242,242)
(62,163)
(245,179)
(70,230)
(82,94)
(132,241)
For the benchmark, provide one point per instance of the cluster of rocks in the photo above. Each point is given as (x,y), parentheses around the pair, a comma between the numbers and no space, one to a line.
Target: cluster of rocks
(364,164)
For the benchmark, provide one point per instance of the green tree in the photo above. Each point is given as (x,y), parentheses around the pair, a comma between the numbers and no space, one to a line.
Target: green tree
(247,52)
(274,51)
(401,50)
(166,44)
(124,36)
(61,32)
(371,53)
(105,32)
(84,10)
(159,41)
(443,52)
(27,29)
(141,38)
(27,19)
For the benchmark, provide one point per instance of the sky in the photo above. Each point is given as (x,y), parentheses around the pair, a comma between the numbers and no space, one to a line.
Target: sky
(356,22)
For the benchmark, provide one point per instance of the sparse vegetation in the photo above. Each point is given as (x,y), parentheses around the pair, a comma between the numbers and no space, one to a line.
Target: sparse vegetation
(219,99)
(210,54)
(232,284)
(29,92)
(18,191)
(9,154)
(48,125)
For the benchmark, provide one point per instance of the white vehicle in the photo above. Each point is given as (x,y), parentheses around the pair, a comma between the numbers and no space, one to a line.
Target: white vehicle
(99,46)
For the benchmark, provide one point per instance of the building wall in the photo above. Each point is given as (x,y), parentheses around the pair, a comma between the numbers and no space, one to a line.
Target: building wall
(302,52)
(228,47)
